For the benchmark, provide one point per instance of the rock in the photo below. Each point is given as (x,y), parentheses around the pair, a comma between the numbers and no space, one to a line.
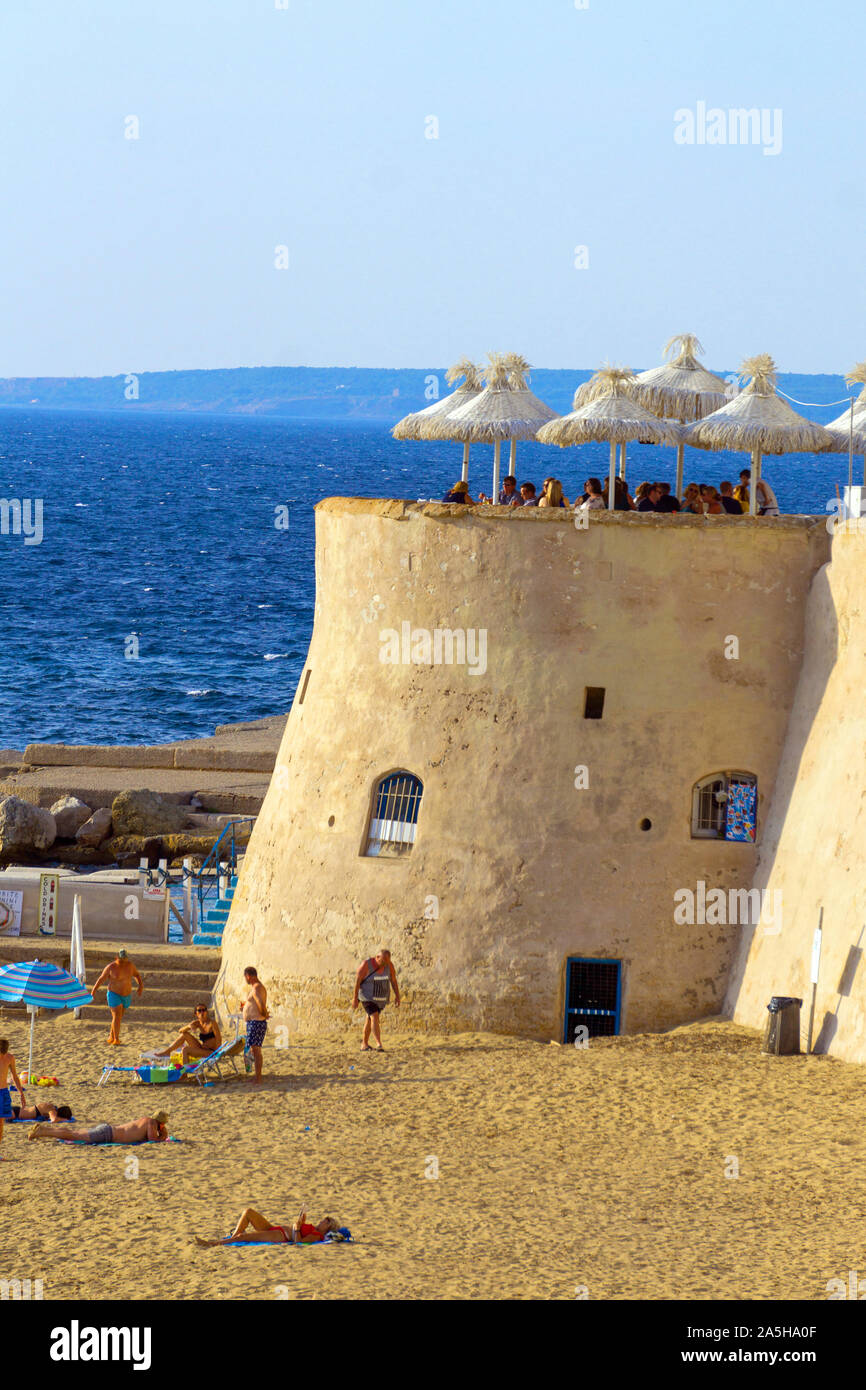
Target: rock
(81,854)
(24,827)
(127,850)
(176,846)
(94,831)
(145,813)
(69,814)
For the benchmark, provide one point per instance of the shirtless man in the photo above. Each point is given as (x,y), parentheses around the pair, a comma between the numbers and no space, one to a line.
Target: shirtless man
(146,1127)
(255,1016)
(7,1069)
(118,978)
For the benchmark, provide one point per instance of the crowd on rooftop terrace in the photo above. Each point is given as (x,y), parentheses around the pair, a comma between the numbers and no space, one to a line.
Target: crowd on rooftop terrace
(679,404)
(699,499)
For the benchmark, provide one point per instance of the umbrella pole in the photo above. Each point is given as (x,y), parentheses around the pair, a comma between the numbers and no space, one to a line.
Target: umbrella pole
(753,483)
(32,1027)
(512,459)
(622,449)
(465,471)
(681,449)
(496,471)
(611,482)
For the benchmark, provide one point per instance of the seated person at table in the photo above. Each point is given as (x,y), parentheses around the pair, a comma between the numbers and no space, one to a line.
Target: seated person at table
(459,493)
(263,1233)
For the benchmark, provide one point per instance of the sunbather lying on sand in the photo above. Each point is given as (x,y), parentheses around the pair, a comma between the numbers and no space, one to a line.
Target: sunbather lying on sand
(299,1233)
(42,1111)
(151,1127)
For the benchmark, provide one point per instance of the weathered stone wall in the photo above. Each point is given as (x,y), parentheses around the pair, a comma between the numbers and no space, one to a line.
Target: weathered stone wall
(814,847)
(527,870)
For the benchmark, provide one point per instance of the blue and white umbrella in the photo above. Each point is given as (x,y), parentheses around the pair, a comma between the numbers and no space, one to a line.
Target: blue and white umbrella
(40,985)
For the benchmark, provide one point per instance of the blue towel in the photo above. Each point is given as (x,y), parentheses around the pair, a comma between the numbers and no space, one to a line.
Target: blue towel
(130,1145)
(343,1237)
(39,1120)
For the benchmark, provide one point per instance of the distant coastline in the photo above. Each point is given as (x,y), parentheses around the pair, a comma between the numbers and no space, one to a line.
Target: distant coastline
(326,393)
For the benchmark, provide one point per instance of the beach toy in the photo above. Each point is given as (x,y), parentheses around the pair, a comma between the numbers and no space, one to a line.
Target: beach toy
(44,1081)
(176,1059)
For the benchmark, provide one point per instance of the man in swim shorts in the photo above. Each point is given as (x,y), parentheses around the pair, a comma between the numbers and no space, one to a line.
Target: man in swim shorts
(118,978)
(7,1069)
(373,983)
(145,1128)
(255,1016)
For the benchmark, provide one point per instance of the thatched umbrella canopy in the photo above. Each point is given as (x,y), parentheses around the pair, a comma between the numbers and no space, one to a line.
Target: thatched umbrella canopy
(500,411)
(613,415)
(758,421)
(420,424)
(681,389)
(848,430)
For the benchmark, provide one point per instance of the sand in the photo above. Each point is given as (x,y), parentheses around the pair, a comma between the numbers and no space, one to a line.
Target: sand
(561,1172)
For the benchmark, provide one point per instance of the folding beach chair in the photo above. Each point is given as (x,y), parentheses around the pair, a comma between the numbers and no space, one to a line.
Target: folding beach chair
(205,1066)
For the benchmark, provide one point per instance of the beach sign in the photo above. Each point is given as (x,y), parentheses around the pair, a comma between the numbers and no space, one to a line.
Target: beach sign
(49,897)
(11,904)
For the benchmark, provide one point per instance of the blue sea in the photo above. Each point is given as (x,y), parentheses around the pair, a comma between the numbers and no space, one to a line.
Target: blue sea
(159,529)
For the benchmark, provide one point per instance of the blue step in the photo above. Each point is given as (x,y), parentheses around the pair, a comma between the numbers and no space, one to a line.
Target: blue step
(207,939)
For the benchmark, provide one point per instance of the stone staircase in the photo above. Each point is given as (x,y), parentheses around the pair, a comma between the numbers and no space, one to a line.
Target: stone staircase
(176,978)
(212,925)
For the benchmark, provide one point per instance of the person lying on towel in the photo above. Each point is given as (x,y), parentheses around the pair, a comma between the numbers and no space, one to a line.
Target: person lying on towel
(42,1111)
(264,1233)
(147,1128)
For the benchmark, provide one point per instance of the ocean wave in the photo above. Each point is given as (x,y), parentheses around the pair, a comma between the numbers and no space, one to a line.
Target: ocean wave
(275,656)
(209,691)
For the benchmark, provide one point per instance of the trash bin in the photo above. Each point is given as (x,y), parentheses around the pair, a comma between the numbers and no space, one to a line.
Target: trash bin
(782,1033)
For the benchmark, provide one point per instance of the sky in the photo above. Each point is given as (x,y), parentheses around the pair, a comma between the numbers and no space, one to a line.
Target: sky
(431,171)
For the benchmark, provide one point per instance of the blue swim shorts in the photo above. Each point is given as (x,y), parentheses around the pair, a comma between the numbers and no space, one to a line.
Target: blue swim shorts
(256,1029)
(5,1103)
(115,1000)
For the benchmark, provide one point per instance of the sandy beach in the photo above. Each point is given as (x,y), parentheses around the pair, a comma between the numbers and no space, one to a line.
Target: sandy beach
(561,1172)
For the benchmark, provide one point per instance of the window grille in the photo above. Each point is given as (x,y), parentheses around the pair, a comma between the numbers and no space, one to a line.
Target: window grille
(593,997)
(724,807)
(395,815)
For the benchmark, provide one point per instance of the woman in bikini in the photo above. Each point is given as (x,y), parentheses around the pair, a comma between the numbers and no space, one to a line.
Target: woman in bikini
(301,1232)
(208,1040)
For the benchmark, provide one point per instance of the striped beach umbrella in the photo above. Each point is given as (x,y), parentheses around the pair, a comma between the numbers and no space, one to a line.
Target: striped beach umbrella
(40,985)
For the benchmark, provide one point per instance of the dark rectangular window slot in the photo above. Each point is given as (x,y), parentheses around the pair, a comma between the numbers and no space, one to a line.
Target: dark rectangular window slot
(304,687)
(594,702)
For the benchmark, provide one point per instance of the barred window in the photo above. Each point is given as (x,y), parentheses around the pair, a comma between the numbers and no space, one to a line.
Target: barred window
(725,807)
(395,815)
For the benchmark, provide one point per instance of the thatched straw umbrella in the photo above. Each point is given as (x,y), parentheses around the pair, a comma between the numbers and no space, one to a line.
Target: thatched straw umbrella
(501,411)
(420,424)
(848,431)
(758,421)
(681,389)
(613,415)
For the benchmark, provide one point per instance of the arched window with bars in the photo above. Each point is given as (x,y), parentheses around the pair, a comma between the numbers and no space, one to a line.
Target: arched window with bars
(394,815)
(725,807)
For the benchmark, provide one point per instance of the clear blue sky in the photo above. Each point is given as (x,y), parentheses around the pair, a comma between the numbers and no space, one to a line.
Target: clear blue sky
(306,127)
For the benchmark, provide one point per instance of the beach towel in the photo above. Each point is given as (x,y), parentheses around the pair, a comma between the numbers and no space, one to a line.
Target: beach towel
(133,1143)
(40,1119)
(343,1236)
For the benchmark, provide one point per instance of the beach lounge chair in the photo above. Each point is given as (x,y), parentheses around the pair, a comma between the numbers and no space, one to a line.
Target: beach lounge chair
(200,1070)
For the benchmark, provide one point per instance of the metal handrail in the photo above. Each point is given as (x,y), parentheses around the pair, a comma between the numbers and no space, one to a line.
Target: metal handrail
(208,876)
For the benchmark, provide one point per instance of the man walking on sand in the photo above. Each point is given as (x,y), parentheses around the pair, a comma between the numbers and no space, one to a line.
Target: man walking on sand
(7,1069)
(373,986)
(256,1017)
(118,978)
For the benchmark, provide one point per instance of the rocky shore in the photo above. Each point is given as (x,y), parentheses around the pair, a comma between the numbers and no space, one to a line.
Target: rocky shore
(91,804)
